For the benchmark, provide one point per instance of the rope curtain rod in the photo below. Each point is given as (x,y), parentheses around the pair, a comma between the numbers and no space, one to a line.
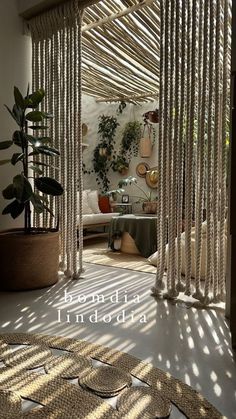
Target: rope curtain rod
(194,117)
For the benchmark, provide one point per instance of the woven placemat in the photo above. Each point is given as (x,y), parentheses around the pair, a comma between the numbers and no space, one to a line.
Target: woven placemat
(29,357)
(10,404)
(140,401)
(106,381)
(69,366)
(60,399)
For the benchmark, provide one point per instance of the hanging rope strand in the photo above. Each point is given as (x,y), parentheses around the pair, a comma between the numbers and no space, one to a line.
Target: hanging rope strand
(209,153)
(191,91)
(182,141)
(201,156)
(225,119)
(159,285)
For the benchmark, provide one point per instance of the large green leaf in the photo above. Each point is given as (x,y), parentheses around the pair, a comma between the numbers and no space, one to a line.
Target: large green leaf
(22,187)
(34,116)
(48,210)
(48,151)
(19,100)
(44,140)
(18,115)
(36,201)
(38,127)
(16,157)
(2,162)
(48,186)
(47,115)
(15,208)
(18,139)
(30,139)
(35,98)
(36,169)
(5,144)
(9,192)
(39,163)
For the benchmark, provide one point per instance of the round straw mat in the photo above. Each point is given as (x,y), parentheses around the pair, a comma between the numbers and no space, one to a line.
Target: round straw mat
(106,381)
(61,399)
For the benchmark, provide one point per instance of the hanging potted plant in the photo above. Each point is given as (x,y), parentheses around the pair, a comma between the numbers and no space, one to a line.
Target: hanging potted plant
(119,164)
(104,151)
(29,257)
(130,140)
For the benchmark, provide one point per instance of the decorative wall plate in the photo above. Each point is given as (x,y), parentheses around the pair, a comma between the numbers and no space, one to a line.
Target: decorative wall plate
(152,177)
(142,169)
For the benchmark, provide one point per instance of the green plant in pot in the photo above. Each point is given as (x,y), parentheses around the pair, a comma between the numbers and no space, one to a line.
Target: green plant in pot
(29,256)
(149,203)
(120,164)
(104,152)
(130,139)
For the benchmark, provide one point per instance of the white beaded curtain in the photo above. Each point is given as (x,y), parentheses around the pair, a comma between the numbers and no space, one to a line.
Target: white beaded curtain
(193,133)
(56,65)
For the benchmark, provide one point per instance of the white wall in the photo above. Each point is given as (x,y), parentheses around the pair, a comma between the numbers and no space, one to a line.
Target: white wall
(91,111)
(15,69)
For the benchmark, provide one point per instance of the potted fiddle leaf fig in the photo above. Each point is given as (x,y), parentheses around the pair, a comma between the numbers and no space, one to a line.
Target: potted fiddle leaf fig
(29,257)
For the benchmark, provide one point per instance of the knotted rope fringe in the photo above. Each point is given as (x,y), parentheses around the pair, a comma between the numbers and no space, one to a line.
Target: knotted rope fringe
(194,114)
(56,43)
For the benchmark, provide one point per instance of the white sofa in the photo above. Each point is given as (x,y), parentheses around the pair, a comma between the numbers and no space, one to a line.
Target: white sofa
(93,217)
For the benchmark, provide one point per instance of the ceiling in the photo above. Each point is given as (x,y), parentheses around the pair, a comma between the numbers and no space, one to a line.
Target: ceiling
(121,50)
(120,47)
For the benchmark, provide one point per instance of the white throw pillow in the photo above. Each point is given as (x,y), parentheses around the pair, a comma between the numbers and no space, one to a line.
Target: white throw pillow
(93,202)
(153,258)
(86,207)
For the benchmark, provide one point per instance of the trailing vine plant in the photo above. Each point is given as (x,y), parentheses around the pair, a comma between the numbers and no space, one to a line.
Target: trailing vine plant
(130,140)
(103,154)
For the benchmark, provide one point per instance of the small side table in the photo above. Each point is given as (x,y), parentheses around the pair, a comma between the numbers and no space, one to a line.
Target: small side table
(122,207)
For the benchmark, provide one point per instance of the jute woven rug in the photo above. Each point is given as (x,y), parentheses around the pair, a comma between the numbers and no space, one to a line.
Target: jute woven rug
(98,253)
(34,372)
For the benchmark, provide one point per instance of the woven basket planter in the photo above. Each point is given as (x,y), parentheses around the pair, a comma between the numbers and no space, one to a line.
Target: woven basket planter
(28,262)
(150,207)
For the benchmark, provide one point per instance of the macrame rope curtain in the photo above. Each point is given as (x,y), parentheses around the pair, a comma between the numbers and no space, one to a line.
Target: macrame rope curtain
(195,43)
(56,65)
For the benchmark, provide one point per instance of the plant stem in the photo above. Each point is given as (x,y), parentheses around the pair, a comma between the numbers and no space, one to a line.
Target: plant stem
(135,184)
(26,174)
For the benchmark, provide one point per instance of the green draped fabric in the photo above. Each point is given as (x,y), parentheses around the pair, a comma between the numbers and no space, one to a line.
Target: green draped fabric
(141,228)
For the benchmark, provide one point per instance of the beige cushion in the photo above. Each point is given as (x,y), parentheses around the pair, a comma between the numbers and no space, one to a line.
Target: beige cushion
(86,207)
(153,258)
(90,219)
(93,201)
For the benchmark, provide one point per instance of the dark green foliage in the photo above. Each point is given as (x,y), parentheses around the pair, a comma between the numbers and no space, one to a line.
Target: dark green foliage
(130,140)
(21,191)
(104,151)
